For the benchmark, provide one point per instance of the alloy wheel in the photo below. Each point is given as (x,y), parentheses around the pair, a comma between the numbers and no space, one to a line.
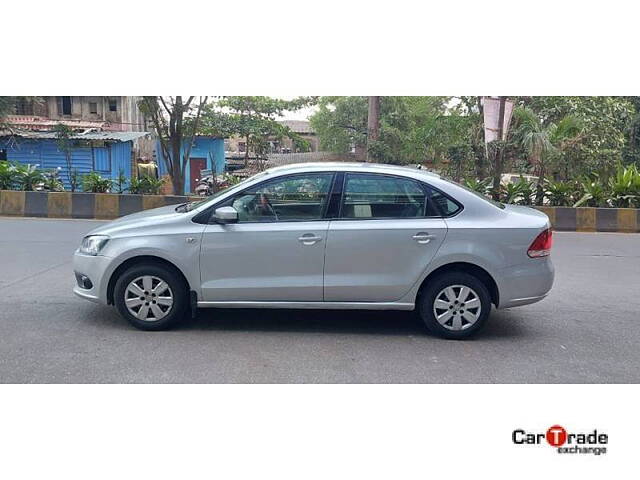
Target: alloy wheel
(148,298)
(457,307)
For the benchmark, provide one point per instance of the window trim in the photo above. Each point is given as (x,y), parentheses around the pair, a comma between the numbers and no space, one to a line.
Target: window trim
(229,200)
(420,184)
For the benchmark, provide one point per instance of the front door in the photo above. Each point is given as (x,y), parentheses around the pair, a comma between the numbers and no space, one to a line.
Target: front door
(195,166)
(275,253)
(382,242)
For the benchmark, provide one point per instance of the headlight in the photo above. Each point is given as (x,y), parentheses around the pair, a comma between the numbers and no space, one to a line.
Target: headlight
(92,244)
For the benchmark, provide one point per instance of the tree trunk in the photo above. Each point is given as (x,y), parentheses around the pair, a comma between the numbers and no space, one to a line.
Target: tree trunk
(539,187)
(246,151)
(499,154)
(373,123)
(480,153)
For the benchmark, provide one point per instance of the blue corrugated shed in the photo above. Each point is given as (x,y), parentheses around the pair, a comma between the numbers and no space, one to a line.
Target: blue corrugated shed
(107,158)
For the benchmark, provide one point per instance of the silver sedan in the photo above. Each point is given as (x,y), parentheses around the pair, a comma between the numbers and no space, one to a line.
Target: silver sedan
(323,236)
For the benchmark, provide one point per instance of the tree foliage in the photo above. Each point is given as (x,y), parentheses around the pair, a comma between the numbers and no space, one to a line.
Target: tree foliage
(566,136)
(253,118)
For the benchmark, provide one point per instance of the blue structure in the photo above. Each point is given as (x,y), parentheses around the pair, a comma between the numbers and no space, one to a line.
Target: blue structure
(207,153)
(107,153)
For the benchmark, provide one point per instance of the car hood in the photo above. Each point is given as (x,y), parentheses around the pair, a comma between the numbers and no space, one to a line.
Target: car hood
(155,216)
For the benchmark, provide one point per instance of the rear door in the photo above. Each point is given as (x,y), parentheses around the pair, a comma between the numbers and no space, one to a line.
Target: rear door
(382,241)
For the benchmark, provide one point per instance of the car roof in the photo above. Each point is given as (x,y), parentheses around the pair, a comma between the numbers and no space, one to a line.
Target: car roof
(351,166)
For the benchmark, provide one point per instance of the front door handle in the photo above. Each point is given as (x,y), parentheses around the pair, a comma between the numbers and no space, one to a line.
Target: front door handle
(309,239)
(423,237)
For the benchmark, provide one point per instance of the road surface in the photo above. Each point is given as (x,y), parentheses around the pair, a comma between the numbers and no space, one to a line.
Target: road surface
(586,331)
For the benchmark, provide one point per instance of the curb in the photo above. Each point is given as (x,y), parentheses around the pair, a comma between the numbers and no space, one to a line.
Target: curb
(591,219)
(81,205)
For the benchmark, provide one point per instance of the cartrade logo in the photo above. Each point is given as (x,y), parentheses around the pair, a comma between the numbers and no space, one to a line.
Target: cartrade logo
(556,436)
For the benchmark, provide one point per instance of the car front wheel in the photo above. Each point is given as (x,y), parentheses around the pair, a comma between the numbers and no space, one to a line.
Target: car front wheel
(151,297)
(455,305)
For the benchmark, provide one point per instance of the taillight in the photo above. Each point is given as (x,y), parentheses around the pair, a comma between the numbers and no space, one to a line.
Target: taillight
(541,246)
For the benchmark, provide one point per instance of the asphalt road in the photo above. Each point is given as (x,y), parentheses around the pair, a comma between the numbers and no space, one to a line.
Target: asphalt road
(586,331)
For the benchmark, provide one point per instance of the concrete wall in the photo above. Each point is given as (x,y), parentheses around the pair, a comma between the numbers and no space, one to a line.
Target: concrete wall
(108,206)
(81,205)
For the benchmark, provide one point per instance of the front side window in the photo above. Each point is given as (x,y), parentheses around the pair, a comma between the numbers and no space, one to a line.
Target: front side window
(380,196)
(292,198)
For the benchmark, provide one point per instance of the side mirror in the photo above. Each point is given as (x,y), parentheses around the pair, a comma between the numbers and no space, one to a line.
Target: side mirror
(225,215)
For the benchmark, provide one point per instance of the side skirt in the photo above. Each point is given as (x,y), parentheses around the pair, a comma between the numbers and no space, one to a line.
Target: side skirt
(312,305)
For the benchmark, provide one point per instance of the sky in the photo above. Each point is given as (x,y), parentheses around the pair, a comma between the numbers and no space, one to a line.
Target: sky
(302,114)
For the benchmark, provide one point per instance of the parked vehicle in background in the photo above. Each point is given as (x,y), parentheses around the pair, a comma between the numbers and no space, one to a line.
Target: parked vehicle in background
(507,178)
(328,236)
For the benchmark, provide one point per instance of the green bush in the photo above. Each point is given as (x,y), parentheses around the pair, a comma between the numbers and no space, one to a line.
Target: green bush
(146,185)
(620,190)
(560,194)
(94,183)
(624,187)
(8,176)
(28,176)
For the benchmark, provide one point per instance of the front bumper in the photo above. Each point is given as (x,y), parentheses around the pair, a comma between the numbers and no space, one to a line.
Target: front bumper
(98,269)
(526,283)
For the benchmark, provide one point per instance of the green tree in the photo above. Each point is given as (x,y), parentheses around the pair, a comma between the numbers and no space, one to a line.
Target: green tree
(542,142)
(255,119)
(605,124)
(176,121)
(341,125)
(65,143)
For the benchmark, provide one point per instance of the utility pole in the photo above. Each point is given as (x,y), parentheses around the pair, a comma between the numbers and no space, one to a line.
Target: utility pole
(373,122)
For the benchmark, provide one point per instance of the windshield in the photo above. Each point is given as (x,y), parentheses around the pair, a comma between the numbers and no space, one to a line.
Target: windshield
(480,195)
(187,207)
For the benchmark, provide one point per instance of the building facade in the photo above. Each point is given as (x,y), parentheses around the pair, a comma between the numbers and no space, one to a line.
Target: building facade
(116,114)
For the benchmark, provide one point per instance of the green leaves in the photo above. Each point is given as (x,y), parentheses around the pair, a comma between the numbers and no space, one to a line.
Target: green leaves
(146,185)
(17,176)
(255,118)
(94,183)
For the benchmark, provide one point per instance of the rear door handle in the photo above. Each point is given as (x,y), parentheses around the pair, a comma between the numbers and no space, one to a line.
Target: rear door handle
(423,237)
(309,239)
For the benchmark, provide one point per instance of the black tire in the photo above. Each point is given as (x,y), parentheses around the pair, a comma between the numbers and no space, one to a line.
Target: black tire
(179,291)
(437,285)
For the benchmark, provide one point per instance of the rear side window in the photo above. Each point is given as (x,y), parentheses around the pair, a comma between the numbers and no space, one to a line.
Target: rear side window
(380,196)
(441,205)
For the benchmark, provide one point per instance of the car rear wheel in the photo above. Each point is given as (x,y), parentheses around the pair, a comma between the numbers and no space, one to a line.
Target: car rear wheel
(151,297)
(455,305)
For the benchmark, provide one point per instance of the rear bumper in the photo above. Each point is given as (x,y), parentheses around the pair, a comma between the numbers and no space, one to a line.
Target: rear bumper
(525,284)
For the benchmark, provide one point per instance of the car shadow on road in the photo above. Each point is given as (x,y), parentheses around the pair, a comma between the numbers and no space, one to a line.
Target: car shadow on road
(335,321)
(502,324)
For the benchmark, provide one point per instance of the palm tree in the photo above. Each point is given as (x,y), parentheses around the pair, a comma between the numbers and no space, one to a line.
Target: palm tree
(540,141)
